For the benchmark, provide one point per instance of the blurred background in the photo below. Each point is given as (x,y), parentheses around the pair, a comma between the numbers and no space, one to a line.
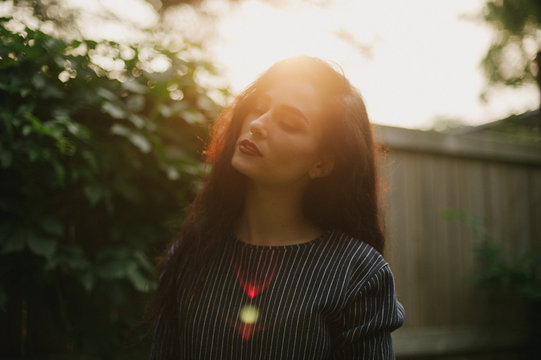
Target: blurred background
(105,108)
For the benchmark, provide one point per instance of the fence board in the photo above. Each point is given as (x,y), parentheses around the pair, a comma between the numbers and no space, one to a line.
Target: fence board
(433,259)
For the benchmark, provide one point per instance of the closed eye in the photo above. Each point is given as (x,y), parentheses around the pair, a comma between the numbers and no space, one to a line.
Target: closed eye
(291,119)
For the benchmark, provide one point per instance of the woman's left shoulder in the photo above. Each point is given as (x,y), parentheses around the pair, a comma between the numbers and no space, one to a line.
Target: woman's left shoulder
(359,256)
(355,248)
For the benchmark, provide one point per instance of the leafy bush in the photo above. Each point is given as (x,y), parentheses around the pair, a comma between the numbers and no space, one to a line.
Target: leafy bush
(500,272)
(98,155)
(508,287)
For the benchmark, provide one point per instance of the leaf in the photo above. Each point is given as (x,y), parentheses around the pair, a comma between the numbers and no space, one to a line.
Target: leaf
(128,191)
(114,110)
(5,158)
(136,103)
(66,146)
(107,94)
(193,117)
(166,111)
(52,92)
(206,103)
(12,239)
(137,279)
(143,260)
(172,173)
(41,245)
(91,44)
(88,280)
(77,262)
(93,193)
(38,81)
(59,170)
(70,255)
(52,226)
(137,120)
(136,139)
(134,86)
(33,154)
(112,270)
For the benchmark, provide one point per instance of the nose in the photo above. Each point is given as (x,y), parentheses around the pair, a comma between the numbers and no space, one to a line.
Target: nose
(257,127)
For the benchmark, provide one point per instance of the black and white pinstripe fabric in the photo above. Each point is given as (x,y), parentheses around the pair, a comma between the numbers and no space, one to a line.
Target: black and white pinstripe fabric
(331,298)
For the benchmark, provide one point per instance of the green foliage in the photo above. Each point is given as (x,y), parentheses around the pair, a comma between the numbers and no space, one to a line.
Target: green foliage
(99,153)
(508,282)
(51,11)
(522,128)
(510,60)
(513,274)
(518,17)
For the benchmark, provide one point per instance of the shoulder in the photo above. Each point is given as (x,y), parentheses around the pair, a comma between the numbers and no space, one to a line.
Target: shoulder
(360,254)
(363,263)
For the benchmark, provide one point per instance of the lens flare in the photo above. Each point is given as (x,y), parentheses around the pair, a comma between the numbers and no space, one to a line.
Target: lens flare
(255,275)
(252,291)
(249,314)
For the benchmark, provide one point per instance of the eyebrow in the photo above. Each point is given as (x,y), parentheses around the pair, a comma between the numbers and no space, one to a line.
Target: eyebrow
(294,110)
(265,98)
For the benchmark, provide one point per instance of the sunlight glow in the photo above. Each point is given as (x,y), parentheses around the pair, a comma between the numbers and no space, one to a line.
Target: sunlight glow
(414,61)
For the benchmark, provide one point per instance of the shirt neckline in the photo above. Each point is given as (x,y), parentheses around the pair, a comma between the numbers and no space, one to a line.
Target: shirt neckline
(324,235)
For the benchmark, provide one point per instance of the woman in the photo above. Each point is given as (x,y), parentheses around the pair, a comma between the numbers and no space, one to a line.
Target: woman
(280,254)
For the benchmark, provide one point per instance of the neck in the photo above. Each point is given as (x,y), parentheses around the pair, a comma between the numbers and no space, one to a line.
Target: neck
(273,216)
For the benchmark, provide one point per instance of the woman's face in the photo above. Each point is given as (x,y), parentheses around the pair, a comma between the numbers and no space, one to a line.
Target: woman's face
(279,141)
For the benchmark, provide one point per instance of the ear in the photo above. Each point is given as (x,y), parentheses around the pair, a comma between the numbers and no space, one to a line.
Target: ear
(321,168)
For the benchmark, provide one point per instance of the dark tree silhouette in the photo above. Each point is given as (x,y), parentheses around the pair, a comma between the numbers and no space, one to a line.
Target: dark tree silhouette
(514,57)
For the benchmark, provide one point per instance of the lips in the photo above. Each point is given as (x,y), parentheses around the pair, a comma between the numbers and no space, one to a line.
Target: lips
(249,148)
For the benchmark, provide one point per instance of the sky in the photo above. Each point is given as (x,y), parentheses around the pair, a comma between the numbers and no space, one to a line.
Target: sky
(414,61)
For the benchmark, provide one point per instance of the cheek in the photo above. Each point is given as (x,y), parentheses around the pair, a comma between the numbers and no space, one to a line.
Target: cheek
(299,155)
(299,152)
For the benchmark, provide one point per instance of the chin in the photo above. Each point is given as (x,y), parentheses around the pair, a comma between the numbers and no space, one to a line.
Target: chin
(239,164)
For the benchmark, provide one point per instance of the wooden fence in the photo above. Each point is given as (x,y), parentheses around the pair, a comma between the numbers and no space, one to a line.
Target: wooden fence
(433,259)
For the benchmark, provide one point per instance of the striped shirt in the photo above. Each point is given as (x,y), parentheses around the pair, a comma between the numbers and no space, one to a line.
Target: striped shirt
(330,298)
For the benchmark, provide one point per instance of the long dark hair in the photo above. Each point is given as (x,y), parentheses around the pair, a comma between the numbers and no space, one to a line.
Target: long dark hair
(345,200)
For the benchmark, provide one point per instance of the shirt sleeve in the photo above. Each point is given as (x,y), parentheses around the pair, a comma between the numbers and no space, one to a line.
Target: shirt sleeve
(370,314)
